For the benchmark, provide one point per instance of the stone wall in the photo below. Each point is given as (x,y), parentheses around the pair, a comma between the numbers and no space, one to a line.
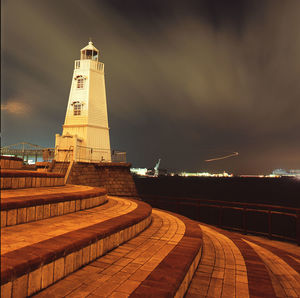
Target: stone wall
(115,177)
(10,162)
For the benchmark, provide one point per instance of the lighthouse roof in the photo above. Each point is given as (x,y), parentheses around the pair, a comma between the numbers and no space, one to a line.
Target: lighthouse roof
(90,46)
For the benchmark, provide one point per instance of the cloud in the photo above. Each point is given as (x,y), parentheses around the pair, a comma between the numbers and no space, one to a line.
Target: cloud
(17,108)
(182,82)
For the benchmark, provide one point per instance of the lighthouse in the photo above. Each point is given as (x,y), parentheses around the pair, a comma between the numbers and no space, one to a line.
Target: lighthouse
(85,134)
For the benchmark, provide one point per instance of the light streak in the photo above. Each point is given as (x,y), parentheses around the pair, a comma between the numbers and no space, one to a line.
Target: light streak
(223,157)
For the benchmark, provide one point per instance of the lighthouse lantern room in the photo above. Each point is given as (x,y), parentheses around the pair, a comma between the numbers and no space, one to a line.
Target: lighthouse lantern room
(85,134)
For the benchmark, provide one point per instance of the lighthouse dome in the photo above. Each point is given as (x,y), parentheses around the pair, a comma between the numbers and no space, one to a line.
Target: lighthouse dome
(89,52)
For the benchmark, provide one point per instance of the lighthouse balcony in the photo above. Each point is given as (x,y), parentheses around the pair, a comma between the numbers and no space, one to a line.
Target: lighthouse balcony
(89,64)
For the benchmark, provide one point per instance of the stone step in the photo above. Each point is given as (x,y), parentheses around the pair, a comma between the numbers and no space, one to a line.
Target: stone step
(15,179)
(115,250)
(231,265)
(19,206)
(159,262)
(35,255)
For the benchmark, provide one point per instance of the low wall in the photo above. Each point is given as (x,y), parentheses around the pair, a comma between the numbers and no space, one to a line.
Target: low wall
(10,162)
(115,177)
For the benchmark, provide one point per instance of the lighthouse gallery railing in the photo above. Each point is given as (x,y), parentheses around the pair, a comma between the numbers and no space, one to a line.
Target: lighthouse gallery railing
(88,154)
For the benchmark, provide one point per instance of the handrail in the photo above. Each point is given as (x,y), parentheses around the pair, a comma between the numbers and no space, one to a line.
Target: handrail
(91,154)
(237,208)
(266,206)
(68,171)
(66,160)
(245,213)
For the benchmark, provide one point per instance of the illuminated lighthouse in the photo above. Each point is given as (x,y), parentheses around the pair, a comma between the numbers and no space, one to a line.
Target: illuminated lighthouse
(85,134)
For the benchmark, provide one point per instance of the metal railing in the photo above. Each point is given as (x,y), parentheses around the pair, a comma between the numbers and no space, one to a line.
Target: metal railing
(118,156)
(81,64)
(84,154)
(268,220)
(88,154)
(28,151)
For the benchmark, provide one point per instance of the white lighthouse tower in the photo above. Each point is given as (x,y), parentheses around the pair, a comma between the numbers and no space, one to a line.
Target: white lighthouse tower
(85,134)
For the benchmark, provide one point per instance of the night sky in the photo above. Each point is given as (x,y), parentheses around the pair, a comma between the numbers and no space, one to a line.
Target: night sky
(186,81)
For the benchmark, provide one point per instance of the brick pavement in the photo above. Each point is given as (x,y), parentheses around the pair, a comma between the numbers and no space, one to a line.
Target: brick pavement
(19,206)
(66,244)
(122,270)
(285,280)
(222,270)
(48,228)
(8,193)
(235,265)
(231,265)
(287,247)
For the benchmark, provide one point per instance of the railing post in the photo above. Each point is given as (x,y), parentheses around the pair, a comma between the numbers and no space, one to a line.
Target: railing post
(298,227)
(198,212)
(270,223)
(220,216)
(75,148)
(177,207)
(244,219)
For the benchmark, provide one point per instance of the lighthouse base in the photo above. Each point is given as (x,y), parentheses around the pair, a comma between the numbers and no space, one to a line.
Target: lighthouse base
(71,148)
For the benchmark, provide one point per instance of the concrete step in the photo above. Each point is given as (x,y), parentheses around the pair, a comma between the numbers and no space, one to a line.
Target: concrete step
(159,262)
(19,206)
(35,255)
(15,179)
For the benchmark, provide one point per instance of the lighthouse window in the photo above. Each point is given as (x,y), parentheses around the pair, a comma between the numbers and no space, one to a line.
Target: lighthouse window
(77,109)
(89,54)
(80,83)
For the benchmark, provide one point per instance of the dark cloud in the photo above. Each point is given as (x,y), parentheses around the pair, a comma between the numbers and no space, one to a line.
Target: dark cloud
(184,82)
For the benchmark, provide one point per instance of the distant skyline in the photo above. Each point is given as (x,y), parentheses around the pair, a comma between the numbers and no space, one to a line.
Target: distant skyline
(186,81)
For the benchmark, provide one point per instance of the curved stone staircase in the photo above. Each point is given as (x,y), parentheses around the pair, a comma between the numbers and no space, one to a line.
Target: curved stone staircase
(75,241)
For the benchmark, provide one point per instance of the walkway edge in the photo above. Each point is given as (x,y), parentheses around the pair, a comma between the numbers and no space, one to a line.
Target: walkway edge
(173,275)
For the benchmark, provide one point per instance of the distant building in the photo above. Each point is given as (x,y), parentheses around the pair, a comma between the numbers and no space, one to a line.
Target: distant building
(205,174)
(282,172)
(139,171)
(85,134)
(154,172)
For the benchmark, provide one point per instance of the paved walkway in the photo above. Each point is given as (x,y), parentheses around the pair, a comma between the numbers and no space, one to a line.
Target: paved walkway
(33,232)
(234,265)
(231,265)
(121,271)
